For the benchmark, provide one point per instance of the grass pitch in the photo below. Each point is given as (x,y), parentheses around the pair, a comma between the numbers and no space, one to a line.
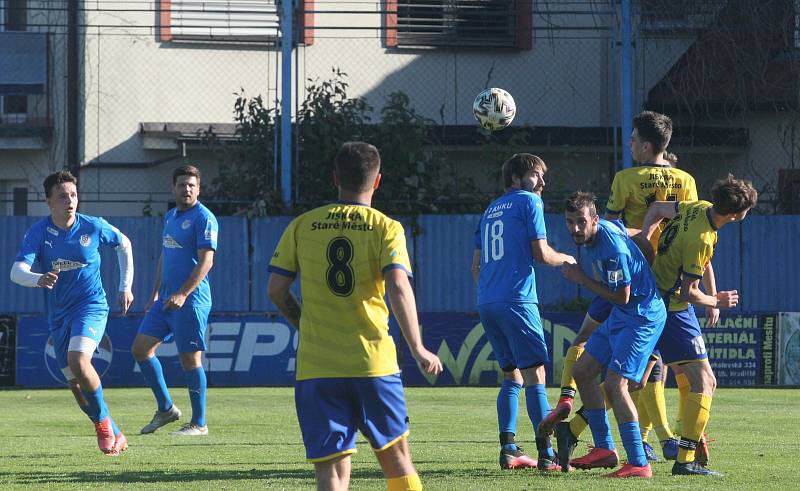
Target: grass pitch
(254,442)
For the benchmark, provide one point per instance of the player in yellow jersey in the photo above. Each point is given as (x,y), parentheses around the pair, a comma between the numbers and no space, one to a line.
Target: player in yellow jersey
(348,255)
(684,252)
(632,190)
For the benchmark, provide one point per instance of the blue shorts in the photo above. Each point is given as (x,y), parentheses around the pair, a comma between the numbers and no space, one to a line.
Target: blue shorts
(624,343)
(599,309)
(332,410)
(186,324)
(87,322)
(515,333)
(682,340)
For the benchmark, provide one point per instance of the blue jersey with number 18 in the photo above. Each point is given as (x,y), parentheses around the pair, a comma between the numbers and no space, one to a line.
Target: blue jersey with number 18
(504,237)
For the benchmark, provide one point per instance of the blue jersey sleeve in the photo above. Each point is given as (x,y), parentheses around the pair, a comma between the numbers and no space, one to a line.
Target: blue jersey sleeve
(536,228)
(616,273)
(207,229)
(31,244)
(109,234)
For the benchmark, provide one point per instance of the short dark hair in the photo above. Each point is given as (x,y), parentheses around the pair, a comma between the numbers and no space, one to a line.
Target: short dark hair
(185,170)
(357,164)
(57,178)
(731,195)
(520,163)
(654,128)
(580,200)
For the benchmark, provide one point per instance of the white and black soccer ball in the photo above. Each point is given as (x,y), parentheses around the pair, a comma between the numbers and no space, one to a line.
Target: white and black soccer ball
(494,109)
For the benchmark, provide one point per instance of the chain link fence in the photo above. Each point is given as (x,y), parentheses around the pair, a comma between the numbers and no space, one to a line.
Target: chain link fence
(165,83)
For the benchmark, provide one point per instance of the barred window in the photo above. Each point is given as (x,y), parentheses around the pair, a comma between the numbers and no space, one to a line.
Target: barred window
(462,23)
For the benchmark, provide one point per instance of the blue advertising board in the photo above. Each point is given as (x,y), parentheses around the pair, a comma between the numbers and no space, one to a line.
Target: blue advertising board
(258,350)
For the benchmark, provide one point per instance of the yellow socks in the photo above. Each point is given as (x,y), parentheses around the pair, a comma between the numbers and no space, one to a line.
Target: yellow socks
(573,353)
(683,390)
(409,482)
(696,411)
(652,399)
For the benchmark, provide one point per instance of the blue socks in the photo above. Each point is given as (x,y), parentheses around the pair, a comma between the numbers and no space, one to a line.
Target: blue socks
(96,408)
(632,441)
(154,376)
(538,407)
(507,406)
(601,431)
(196,383)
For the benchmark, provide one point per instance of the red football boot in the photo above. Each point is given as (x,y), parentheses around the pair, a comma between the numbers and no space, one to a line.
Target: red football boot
(629,470)
(597,457)
(105,436)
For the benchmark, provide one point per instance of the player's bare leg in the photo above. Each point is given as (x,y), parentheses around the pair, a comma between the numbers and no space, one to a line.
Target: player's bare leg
(334,474)
(397,467)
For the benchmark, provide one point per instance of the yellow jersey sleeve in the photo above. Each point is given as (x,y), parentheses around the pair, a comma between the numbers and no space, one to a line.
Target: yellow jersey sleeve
(619,194)
(394,254)
(691,189)
(284,259)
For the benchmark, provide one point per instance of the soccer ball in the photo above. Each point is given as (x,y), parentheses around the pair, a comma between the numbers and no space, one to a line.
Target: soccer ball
(494,109)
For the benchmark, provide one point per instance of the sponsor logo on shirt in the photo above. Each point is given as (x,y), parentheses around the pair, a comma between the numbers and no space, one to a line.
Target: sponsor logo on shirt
(171,243)
(52,231)
(85,240)
(614,277)
(186,224)
(211,235)
(66,265)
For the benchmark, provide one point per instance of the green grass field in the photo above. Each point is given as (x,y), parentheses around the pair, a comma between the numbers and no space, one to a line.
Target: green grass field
(46,442)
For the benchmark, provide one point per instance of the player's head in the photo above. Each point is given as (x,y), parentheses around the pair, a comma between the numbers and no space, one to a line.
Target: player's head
(357,168)
(581,216)
(651,134)
(61,194)
(733,198)
(524,171)
(186,186)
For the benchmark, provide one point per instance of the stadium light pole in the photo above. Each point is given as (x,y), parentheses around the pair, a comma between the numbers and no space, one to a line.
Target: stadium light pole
(627,82)
(287,43)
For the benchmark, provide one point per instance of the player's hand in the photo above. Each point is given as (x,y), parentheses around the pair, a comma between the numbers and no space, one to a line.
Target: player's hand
(174,302)
(570,259)
(428,362)
(727,299)
(573,273)
(48,280)
(125,301)
(712,316)
(634,386)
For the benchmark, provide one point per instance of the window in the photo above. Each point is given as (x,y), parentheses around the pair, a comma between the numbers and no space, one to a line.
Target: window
(219,20)
(13,108)
(15,14)
(465,23)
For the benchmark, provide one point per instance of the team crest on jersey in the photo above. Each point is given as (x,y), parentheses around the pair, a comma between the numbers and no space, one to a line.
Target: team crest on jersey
(171,243)
(65,265)
(52,231)
(85,240)
(186,224)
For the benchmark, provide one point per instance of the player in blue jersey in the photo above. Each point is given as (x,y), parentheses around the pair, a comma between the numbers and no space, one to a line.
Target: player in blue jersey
(621,346)
(180,303)
(511,235)
(65,246)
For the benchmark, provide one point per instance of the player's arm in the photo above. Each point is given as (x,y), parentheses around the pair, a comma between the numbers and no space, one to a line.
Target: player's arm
(575,274)
(404,307)
(205,260)
(22,275)
(125,261)
(543,253)
(710,287)
(658,211)
(476,265)
(643,244)
(278,290)
(690,292)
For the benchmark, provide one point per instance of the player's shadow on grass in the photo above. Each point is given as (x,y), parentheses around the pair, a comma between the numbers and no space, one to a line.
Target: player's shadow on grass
(133,477)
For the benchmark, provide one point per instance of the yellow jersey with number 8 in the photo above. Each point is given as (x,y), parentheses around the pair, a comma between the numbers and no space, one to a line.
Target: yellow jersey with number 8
(685,249)
(341,252)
